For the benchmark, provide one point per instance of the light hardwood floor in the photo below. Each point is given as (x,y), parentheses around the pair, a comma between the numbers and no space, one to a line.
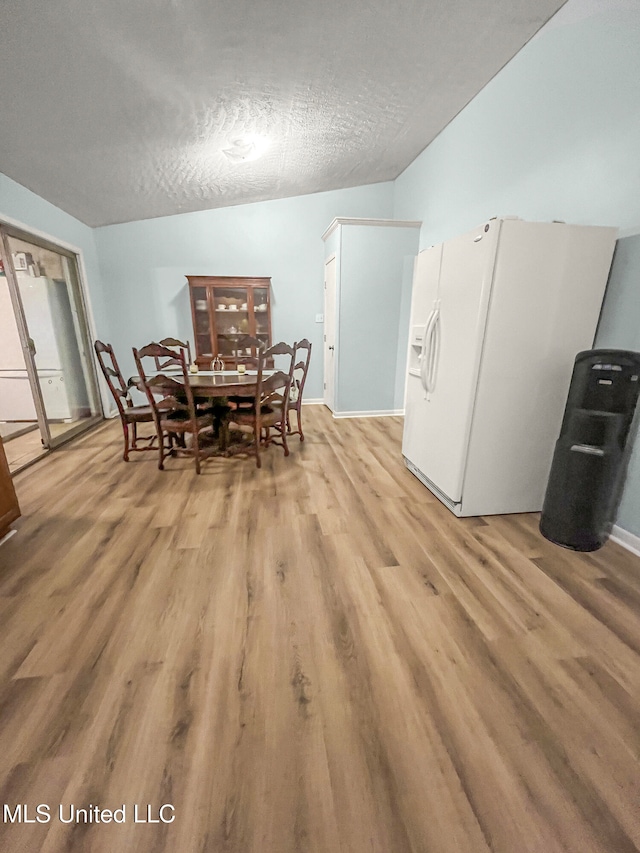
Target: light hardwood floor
(22,449)
(316,656)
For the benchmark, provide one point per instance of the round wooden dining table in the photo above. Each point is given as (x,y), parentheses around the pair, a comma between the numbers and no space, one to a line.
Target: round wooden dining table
(210,384)
(222,383)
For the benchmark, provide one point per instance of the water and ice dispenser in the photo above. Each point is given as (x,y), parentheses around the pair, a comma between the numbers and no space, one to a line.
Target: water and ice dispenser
(591,454)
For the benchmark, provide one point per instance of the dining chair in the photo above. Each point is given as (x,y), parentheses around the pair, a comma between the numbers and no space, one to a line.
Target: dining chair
(173,344)
(173,362)
(251,362)
(173,405)
(269,407)
(300,370)
(247,342)
(130,414)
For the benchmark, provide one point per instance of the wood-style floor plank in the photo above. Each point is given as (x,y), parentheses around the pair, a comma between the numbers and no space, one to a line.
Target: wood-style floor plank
(314,657)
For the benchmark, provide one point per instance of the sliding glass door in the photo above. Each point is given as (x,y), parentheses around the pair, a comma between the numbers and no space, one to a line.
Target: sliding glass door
(53,366)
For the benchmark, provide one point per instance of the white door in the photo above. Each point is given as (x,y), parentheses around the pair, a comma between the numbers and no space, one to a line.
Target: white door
(329,331)
(440,398)
(34,292)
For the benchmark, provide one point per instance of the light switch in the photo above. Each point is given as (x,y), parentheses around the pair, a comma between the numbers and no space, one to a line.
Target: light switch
(319,318)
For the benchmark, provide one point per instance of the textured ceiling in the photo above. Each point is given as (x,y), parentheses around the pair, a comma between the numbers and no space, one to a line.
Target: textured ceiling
(116,110)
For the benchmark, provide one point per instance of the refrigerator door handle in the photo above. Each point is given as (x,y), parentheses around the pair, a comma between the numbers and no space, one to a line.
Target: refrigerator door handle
(425,353)
(434,352)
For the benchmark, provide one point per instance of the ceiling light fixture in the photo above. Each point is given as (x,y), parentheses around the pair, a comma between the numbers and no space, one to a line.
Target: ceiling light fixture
(246,148)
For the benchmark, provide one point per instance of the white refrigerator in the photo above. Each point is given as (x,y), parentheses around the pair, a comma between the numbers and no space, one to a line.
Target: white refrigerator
(497,318)
(16,399)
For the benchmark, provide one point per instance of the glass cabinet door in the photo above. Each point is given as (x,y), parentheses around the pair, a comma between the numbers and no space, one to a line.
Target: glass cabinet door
(261,314)
(232,320)
(202,323)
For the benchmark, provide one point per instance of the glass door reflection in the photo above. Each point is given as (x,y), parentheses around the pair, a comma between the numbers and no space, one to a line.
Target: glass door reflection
(19,417)
(57,337)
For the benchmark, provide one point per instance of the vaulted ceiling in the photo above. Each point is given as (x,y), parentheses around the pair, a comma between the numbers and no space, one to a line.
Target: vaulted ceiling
(117,110)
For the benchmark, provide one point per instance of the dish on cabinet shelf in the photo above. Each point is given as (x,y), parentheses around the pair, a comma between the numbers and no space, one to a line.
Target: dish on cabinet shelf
(245,303)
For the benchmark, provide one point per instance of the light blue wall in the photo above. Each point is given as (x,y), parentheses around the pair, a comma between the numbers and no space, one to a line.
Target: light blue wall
(20,205)
(404,317)
(143,265)
(619,325)
(619,328)
(332,245)
(555,135)
(372,287)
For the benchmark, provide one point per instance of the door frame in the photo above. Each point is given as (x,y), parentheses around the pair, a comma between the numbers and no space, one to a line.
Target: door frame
(330,404)
(11,228)
(23,332)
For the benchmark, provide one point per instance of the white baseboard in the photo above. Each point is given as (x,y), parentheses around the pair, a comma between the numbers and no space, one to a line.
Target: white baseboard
(389,413)
(628,540)
(7,537)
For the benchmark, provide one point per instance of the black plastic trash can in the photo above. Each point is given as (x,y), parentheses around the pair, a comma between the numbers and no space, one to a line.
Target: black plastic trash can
(591,454)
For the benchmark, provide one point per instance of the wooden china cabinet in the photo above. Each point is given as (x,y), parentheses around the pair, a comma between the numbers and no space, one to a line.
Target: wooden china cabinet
(9,509)
(225,310)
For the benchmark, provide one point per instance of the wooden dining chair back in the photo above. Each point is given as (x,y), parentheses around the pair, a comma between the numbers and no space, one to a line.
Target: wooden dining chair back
(247,350)
(250,361)
(302,357)
(269,409)
(175,346)
(130,414)
(172,403)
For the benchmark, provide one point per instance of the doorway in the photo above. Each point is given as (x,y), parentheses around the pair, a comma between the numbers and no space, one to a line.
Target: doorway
(48,386)
(329,331)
